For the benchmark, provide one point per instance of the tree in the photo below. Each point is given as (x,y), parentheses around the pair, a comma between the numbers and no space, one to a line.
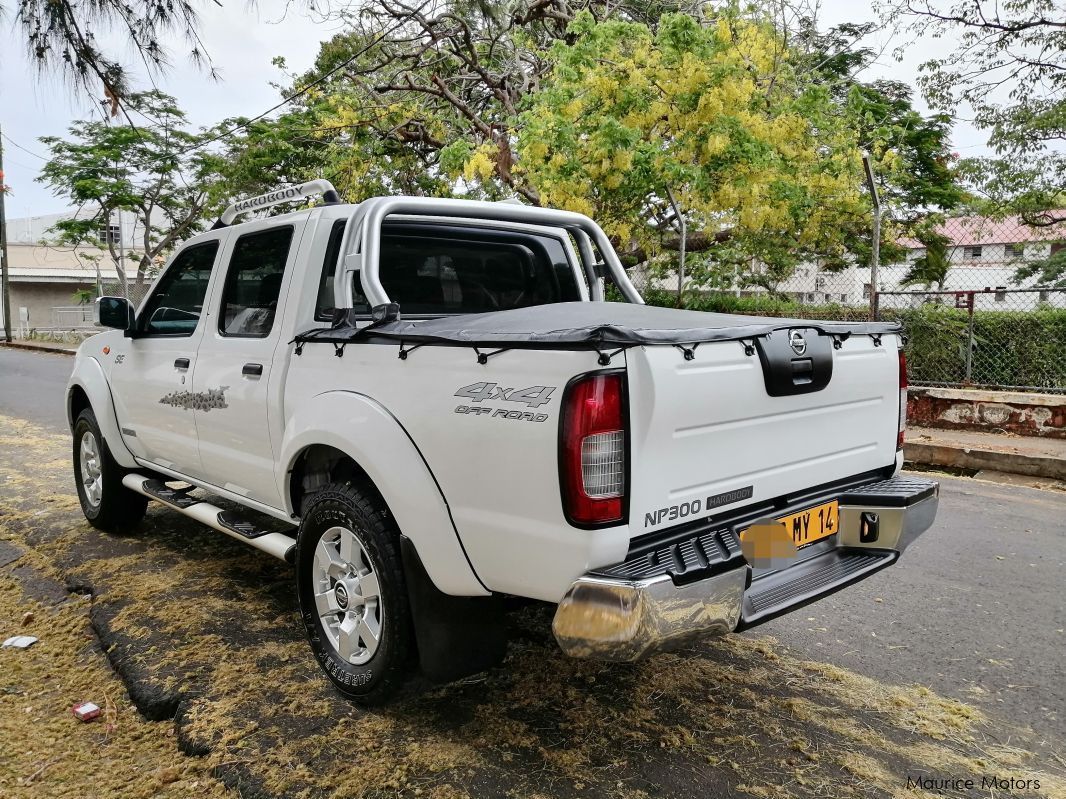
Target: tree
(64,36)
(757,157)
(159,172)
(1009,66)
(931,269)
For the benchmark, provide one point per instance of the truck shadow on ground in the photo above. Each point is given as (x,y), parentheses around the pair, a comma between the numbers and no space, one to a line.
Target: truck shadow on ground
(205,631)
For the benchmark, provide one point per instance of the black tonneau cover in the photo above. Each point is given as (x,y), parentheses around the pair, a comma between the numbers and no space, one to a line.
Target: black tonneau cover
(585,325)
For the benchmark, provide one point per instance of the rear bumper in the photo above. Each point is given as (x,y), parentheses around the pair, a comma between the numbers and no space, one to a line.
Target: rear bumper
(702,586)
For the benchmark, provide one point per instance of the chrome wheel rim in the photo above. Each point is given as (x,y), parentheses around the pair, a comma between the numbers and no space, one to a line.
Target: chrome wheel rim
(92,478)
(347,596)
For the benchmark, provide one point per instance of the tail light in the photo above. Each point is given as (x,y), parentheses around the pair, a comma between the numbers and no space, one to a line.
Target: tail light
(592,450)
(902,399)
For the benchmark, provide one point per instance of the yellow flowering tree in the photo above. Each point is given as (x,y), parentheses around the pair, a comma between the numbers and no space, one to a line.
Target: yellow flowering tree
(759,160)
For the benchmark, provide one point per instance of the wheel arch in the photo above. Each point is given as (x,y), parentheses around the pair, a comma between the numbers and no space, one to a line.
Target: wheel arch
(88,388)
(364,441)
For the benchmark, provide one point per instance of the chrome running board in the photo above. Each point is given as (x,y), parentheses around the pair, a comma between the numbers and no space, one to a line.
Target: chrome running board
(279,545)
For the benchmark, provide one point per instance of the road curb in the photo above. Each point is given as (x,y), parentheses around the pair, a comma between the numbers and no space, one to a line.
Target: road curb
(19,345)
(971,458)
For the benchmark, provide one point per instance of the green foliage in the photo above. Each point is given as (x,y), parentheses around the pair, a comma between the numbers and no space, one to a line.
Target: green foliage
(83,296)
(1009,67)
(158,172)
(931,269)
(1011,348)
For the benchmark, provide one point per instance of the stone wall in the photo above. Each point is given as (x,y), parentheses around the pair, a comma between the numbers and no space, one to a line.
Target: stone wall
(1042,415)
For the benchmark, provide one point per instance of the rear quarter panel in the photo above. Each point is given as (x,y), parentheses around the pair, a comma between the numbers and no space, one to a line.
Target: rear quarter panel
(495,459)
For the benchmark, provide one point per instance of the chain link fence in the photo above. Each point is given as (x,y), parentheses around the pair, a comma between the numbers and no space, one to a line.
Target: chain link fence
(967,294)
(988,338)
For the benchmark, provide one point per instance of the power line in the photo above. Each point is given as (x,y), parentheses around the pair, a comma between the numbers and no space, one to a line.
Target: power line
(19,146)
(286,100)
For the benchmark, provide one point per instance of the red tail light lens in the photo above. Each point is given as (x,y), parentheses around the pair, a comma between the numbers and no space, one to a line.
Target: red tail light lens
(592,450)
(902,398)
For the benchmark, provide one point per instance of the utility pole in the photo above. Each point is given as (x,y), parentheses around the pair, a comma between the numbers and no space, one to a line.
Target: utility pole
(875,248)
(5,265)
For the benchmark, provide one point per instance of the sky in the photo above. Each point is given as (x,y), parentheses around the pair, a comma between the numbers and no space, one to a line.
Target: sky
(242,39)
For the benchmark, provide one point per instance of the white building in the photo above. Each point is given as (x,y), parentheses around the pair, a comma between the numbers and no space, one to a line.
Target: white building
(47,279)
(983,255)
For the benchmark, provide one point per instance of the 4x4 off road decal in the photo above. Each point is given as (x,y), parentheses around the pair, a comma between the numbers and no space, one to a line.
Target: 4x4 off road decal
(197,400)
(533,397)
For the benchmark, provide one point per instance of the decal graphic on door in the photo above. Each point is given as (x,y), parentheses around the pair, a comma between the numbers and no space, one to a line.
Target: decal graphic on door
(197,400)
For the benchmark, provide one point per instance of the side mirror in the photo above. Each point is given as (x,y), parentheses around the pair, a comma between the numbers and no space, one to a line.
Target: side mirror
(116,312)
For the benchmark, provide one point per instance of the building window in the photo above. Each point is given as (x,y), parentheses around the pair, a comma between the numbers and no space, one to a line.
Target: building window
(819,283)
(1012,251)
(108,234)
(843,297)
(1001,293)
(1044,295)
(1057,247)
(866,289)
(972,251)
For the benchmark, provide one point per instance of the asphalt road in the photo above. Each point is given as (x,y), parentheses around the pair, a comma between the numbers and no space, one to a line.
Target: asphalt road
(975,609)
(31,385)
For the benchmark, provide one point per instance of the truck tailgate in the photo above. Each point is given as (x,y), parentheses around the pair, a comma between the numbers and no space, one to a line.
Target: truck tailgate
(706,434)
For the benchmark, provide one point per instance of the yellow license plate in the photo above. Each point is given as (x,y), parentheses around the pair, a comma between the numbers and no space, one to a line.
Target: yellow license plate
(812,524)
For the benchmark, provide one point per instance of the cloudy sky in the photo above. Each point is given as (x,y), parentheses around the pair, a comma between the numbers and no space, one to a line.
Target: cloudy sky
(242,40)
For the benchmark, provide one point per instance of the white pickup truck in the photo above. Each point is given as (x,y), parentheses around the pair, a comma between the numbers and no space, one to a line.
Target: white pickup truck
(436,400)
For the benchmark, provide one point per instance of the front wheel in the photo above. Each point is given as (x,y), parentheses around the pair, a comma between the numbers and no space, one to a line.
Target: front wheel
(353,598)
(106,503)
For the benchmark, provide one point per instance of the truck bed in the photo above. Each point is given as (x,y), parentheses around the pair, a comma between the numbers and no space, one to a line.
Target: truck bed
(589,325)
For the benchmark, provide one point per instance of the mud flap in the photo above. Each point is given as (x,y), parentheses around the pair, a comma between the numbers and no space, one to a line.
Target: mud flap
(456,635)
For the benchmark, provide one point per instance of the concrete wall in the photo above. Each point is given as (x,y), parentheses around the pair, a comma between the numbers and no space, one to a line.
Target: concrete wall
(40,298)
(1042,415)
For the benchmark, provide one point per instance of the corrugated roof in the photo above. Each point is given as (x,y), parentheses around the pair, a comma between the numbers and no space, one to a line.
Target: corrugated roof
(962,231)
(38,262)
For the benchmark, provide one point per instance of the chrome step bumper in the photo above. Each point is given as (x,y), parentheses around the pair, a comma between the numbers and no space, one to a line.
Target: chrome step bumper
(645,603)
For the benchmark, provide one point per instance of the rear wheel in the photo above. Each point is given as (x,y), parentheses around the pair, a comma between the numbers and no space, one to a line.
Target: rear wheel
(353,598)
(106,503)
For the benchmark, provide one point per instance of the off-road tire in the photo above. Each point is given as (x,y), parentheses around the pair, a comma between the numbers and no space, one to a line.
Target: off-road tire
(119,509)
(361,511)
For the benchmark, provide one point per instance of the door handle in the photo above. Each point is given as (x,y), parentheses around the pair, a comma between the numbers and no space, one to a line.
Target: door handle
(253,369)
(181,363)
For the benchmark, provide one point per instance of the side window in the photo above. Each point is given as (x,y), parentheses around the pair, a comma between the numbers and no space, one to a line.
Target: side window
(325,304)
(253,283)
(175,305)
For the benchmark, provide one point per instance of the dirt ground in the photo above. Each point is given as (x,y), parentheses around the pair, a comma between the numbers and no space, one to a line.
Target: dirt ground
(191,643)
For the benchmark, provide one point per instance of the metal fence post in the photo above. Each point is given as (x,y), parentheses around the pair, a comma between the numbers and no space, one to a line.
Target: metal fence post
(875,234)
(969,338)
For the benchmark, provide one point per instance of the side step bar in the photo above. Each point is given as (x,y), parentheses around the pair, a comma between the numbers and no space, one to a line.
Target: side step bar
(279,545)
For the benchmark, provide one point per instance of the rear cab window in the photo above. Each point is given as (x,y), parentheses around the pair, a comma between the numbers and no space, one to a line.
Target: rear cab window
(432,270)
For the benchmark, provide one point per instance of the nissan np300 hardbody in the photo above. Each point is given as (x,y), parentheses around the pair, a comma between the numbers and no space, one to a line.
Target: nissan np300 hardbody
(437,400)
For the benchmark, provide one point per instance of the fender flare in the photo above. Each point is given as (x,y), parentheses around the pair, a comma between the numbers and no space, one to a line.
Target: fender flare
(89,376)
(365,430)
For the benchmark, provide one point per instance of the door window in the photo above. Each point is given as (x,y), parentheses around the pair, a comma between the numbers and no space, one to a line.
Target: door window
(253,283)
(174,307)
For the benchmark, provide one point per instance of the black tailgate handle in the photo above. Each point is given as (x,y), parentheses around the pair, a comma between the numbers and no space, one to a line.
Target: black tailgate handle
(253,370)
(796,360)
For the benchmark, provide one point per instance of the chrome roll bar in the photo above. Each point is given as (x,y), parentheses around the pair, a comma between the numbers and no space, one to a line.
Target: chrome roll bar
(361,245)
